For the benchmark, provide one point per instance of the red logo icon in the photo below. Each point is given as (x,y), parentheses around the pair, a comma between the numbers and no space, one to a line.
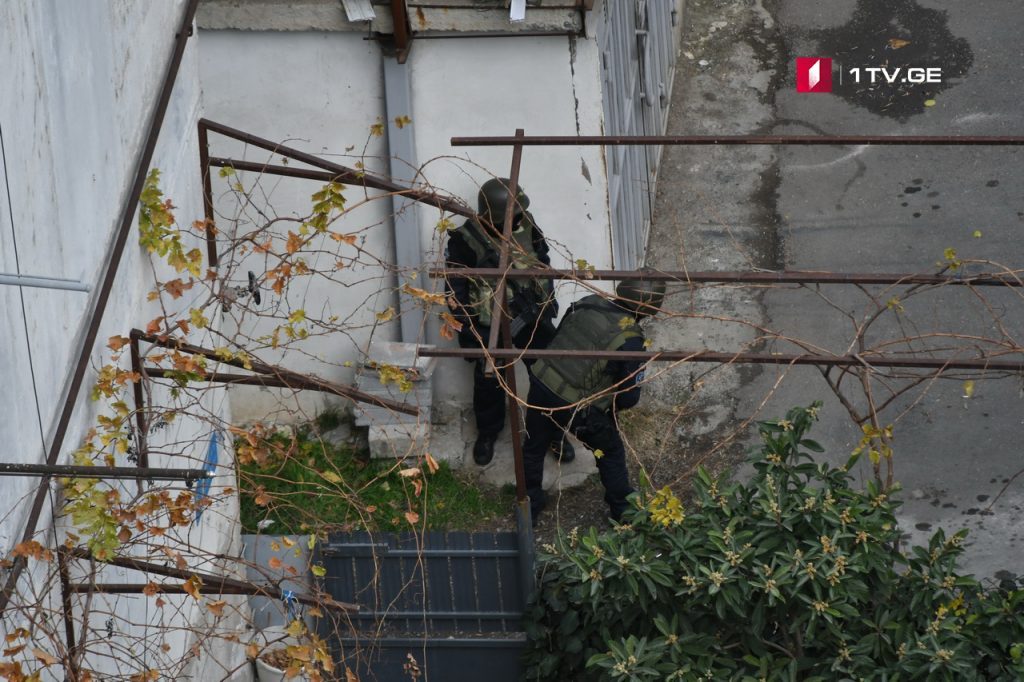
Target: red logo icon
(813,74)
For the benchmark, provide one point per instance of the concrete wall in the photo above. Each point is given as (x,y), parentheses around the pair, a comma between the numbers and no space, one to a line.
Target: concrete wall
(323,90)
(80,80)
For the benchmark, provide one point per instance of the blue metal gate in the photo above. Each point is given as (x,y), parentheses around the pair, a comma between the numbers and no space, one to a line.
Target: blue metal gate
(452,601)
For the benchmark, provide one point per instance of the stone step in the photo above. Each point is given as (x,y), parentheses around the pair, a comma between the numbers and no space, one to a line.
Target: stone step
(395,441)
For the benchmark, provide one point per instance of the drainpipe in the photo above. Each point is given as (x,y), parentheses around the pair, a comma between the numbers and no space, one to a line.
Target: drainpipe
(403,169)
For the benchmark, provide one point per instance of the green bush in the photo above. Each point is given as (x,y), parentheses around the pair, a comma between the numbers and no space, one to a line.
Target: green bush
(792,576)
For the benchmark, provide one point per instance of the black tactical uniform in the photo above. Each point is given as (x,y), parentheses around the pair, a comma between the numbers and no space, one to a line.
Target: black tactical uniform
(582,395)
(531,307)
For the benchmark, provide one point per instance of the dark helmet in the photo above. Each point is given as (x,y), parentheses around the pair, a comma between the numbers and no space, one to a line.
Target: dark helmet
(641,296)
(493,199)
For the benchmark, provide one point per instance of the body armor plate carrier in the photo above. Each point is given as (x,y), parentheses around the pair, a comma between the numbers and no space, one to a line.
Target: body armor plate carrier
(524,292)
(593,323)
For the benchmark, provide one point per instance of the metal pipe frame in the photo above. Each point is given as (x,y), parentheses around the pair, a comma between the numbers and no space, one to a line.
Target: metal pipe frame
(98,304)
(339,173)
(141,425)
(10,279)
(204,173)
(1010,279)
(214,583)
(726,358)
(189,476)
(732,140)
(288,378)
(402,30)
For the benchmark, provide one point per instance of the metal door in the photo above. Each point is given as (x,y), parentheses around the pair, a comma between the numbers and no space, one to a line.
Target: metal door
(637,43)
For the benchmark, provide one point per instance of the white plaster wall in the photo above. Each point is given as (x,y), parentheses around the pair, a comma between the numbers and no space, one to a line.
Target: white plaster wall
(79,83)
(319,92)
(491,86)
(322,91)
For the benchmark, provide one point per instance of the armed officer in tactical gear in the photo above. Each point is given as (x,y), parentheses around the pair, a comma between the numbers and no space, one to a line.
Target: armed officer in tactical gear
(582,395)
(531,309)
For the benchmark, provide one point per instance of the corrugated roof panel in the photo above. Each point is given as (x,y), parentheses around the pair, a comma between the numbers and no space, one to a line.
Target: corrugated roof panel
(359,10)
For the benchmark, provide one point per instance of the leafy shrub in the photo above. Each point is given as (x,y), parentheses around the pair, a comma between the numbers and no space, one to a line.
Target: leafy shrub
(794,575)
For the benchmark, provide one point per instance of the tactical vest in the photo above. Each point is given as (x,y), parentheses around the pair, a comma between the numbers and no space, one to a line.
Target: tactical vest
(487,251)
(593,323)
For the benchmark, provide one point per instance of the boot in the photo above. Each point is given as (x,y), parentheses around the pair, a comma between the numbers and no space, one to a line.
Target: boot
(563,450)
(483,449)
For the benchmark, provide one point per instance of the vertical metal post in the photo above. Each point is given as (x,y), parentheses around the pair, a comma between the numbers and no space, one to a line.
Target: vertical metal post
(204,173)
(71,659)
(400,18)
(501,337)
(142,458)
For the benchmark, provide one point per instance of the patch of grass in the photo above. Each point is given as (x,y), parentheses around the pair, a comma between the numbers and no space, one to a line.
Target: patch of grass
(304,484)
(328,420)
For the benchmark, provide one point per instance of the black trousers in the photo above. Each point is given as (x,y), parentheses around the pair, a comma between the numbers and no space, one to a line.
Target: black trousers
(490,404)
(596,429)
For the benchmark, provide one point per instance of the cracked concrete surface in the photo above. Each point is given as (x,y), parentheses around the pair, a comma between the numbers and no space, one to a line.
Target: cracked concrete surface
(841,209)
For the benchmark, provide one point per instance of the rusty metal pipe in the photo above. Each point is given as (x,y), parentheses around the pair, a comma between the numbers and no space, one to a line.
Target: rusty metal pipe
(348,176)
(1015,279)
(213,583)
(730,140)
(726,358)
(77,471)
(288,377)
(208,214)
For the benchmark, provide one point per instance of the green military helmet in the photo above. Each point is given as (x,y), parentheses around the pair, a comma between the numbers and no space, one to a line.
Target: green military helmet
(493,199)
(641,296)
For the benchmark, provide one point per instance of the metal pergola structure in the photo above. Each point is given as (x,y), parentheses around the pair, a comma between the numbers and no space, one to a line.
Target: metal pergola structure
(498,344)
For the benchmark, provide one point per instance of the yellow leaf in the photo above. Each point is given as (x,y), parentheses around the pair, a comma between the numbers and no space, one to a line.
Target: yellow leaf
(411,471)
(977,234)
(296,628)
(377,130)
(217,607)
(198,319)
(311,542)
(288,542)
(300,653)
(192,586)
(294,242)
(432,464)
(598,454)
(402,121)
(318,570)
(253,650)
(968,388)
(349,239)
(929,103)
(897,43)
(115,343)
(386,315)
(331,476)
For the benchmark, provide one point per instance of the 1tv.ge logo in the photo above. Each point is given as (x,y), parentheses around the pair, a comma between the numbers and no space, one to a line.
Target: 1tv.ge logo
(814,74)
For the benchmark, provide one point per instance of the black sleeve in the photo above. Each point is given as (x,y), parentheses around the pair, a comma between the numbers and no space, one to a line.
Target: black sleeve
(458,255)
(540,244)
(630,373)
